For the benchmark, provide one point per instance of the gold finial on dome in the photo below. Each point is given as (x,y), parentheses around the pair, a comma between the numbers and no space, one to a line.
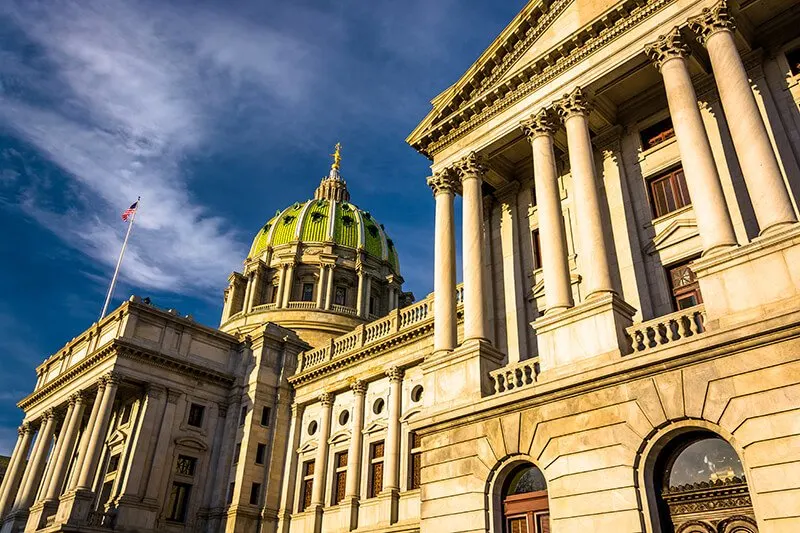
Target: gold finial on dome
(337,156)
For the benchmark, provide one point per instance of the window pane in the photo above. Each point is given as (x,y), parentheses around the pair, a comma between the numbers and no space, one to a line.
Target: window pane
(659,198)
(708,459)
(518,525)
(682,192)
(689,300)
(416,469)
(377,478)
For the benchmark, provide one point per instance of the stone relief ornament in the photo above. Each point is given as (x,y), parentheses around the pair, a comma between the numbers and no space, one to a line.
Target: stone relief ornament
(444,182)
(712,20)
(471,166)
(573,104)
(669,46)
(395,373)
(541,123)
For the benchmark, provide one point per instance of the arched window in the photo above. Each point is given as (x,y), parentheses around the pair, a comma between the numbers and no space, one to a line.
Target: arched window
(525,507)
(701,488)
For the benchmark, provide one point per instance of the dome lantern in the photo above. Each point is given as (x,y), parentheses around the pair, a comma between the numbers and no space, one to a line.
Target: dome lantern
(333,187)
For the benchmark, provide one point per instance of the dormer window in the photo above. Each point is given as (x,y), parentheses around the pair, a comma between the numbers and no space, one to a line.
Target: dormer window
(317,216)
(288,219)
(657,133)
(347,220)
(373,231)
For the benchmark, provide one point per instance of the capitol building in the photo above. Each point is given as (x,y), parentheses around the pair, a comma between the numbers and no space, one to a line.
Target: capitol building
(623,355)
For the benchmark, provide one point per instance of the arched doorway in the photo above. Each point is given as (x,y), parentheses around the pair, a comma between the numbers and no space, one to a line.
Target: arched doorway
(525,506)
(700,486)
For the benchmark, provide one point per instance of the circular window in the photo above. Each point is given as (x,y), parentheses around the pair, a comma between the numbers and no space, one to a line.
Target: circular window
(344,417)
(312,427)
(416,393)
(377,407)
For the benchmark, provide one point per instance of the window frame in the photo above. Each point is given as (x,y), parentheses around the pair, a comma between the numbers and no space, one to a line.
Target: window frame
(304,286)
(261,453)
(306,486)
(339,488)
(690,289)
(176,506)
(376,468)
(414,461)
(193,409)
(678,195)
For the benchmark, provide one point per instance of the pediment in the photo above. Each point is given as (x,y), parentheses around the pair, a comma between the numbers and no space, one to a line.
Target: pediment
(308,446)
(411,413)
(117,437)
(375,426)
(192,443)
(677,231)
(539,37)
(342,435)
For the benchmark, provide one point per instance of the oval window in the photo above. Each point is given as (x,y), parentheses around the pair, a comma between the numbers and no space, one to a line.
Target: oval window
(377,407)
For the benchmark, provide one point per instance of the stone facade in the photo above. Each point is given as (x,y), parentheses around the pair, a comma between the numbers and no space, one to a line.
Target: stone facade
(622,355)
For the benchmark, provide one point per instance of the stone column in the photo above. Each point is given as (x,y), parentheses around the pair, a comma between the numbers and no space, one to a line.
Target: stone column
(255,291)
(16,467)
(356,438)
(290,470)
(152,408)
(321,459)
(248,291)
(391,478)
(760,168)
(471,170)
(153,486)
(281,278)
(68,437)
(367,294)
(593,251)
(444,185)
(329,288)
(288,284)
(552,235)
(36,465)
(87,433)
(360,295)
(705,190)
(99,429)
(321,285)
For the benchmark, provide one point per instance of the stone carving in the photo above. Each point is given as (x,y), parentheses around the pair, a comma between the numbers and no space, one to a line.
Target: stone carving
(78,397)
(24,428)
(669,46)
(471,166)
(359,387)
(541,123)
(326,399)
(444,182)
(711,21)
(395,373)
(573,104)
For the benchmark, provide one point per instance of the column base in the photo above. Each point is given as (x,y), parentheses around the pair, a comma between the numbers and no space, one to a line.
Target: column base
(75,508)
(350,508)
(42,514)
(751,281)
(460,376)
(242,519)
(15,521)
(593,328)
(136,515)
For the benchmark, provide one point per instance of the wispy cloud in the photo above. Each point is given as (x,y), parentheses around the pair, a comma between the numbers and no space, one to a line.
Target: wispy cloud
(138,88)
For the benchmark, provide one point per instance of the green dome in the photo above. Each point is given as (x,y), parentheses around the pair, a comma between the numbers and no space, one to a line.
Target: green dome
(327,221)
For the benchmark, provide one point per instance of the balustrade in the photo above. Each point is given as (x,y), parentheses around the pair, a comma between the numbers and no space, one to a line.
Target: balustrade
(302,305)
(667,329)
(515,375)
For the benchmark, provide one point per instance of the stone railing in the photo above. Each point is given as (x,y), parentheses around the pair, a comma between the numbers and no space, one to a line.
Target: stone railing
(265,307)
(100,519)
(667,329)
(343,309)
(515,376)
(302,305)
(398,320)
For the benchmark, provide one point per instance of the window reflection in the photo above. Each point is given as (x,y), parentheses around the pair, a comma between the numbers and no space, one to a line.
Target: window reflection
(709,459)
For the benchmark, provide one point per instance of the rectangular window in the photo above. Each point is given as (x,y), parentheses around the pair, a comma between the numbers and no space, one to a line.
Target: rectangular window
(668,192)
(308,292)
(374,304)
(375,469)
(308,483)
(657,133)
(537,249)
(105,494)
(684,286)
(273,293)
(242,415)
(261,451)
(231,488)
(255,492)
(339,477)
(415,462)
(113,464)
(186,465)
(178,502)
(793,57)
(265,416)
(196,413)
(340,296)
(125,415)
(236,451)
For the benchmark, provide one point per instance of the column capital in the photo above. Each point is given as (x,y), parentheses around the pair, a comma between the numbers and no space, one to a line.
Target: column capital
(395,373)
(155,391)
(24,428)
(666,47)
(573,104)
(222,410)
(540,123)
(112,378)
(444,182)
(326,399)
(712,20)
(473,165)
(48,414)
(172,396)
(358,387)
(77,397)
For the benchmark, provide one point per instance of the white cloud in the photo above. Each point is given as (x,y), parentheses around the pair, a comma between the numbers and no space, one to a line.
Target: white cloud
(134,90)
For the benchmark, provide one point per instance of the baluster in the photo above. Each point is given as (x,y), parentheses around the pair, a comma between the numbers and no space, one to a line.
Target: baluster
(651,336)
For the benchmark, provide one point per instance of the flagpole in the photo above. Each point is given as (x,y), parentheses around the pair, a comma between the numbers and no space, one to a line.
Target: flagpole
(119,260)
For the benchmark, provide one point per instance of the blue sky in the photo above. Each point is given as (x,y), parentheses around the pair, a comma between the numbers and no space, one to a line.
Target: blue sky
(217,114)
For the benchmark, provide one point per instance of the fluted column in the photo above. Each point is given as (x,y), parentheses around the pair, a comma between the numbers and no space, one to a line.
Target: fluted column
(288,284)
(444,185)
(87,435)
(16,467)
(99,429)
(281,278)
(67,439)
(471,170)
(356,439)
(702,179)
(765,185)
(321,285)
(593,252)
(360,292)
(552,234)
(329,287)
(391,478)
(321,459)
(36,465)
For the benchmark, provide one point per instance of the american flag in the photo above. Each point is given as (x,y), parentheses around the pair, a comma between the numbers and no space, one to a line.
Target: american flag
(128,213)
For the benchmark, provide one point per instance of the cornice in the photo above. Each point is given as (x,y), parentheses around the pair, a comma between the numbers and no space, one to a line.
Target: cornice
(549,66)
